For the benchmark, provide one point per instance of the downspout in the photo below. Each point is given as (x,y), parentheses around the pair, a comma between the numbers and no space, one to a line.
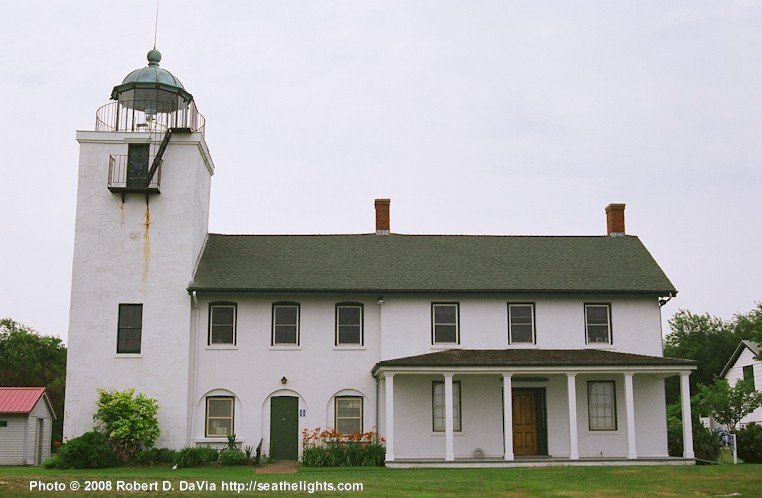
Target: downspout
(193,374)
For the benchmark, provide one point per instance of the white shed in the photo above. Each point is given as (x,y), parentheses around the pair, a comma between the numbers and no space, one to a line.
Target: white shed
(26,422)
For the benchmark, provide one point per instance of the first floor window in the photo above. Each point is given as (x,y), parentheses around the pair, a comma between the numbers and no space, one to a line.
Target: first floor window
(601,403)
(438,406)
(748,374)
(598,323)
(222,318)
(521,323)
(348,414)
(349,324)
(285,324)
(219,416)
(130,328)
(444,323)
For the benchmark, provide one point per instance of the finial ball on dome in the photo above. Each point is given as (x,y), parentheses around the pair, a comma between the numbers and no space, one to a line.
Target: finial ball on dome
(154,56)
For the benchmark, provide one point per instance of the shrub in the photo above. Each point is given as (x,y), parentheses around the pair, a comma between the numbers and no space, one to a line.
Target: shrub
(233,457)
(707,444)
(88,451)
(51,463)
(156,455)
(196,456)
(328,448)
(127,420)
(749,441)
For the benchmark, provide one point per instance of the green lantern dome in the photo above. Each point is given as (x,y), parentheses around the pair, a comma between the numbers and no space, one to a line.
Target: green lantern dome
(152,84)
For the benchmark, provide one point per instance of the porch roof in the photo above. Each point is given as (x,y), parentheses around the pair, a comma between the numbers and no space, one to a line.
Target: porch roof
(517,358)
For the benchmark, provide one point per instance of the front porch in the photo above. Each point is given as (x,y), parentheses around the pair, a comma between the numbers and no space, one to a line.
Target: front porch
(521,408)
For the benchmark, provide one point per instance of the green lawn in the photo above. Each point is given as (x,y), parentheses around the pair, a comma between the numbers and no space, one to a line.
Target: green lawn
(709,480)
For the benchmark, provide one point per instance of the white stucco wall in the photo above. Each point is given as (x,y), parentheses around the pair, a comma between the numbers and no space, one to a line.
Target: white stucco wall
(132,252)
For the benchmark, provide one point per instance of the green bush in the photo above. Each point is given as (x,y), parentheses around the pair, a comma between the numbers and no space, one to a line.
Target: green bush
(196,456)
(749,441)
(233,457)
(127,420)
(706,443)
(156,455)
(88,451)
(51,463)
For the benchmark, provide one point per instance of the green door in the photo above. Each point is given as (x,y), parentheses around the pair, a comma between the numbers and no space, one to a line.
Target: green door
(284,427)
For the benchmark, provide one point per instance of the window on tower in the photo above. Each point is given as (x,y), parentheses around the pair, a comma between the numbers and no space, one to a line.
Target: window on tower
(129,329)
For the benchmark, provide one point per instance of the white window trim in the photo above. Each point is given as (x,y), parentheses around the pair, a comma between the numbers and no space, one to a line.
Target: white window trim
(459,395)
(223,345)
(207,419)
(286,345)
(590,430)
(434,342)
(336,400)
(350,345)
(531,343)
(601,344)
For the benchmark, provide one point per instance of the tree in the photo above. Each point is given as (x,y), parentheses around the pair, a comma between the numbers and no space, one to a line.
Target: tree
(127,421)
(728,405)
(28,359)
(707,339)
(749,326)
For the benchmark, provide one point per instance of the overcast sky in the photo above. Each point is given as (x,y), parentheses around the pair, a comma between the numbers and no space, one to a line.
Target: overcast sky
(474,117)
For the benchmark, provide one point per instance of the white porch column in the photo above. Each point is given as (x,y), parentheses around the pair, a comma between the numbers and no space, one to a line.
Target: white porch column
(571,382)
(449,443)
(389,406)
(685,400)
(508,416)
(629,397)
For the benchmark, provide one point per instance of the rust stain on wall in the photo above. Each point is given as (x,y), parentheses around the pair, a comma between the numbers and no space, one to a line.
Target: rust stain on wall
(146,242)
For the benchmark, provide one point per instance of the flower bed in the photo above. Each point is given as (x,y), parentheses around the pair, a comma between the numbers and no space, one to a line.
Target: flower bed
(328,448)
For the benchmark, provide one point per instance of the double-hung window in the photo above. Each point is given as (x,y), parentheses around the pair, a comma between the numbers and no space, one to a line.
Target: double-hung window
(222,323)
(521,323)
(285,324)
(444,323)
(601,405)
(348,415)
(219,416)
(438,406)
(129,329)
(349,321)
(598,323)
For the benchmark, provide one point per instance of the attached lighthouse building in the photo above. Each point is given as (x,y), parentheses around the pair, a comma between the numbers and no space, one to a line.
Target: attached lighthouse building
(458,350)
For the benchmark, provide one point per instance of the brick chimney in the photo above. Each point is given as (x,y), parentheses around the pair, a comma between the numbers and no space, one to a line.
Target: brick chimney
(382,216)
(615,220)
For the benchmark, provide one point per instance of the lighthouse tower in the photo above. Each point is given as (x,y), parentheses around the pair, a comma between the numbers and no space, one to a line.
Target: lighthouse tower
(142,220)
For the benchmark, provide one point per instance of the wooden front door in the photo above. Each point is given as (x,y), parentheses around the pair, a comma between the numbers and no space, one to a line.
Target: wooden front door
(524,423)
(284,427)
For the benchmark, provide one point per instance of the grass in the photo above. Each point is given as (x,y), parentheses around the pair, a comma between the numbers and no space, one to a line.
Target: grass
(594,482)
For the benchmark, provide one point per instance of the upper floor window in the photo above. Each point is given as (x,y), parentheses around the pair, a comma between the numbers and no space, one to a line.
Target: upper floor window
(219,416)
(285,324)
(598,323)
(521,323)
(222,323)
(601,405)
(444,323)
(748,374)
(130,328)
(348,414)
(349,321)
(438,406)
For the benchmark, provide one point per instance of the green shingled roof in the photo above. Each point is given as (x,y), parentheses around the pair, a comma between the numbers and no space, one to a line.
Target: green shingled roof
(428,263)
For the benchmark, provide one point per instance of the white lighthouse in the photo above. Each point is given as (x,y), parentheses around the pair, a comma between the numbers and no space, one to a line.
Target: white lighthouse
(142,219)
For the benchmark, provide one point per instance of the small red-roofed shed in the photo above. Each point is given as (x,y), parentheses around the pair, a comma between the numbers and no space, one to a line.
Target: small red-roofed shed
(26,420)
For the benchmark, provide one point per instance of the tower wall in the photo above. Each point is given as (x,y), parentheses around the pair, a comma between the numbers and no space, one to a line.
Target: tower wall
(135,252)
